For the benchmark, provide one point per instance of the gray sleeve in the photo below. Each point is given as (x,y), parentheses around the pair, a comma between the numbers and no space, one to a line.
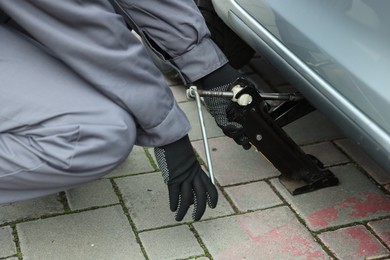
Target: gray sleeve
(179,29)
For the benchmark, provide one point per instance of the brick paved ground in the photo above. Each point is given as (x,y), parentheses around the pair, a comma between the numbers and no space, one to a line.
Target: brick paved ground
(126,215)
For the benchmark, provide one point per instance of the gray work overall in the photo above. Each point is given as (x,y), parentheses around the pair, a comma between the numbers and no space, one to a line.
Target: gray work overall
(78,89)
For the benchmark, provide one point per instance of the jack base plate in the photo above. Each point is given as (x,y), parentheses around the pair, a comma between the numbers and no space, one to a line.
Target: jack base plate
(296,187)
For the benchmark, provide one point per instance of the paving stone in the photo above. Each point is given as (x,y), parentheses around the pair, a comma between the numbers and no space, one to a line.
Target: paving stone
(355,199)
(312,128)
(367,163)
(253,196)
(191,110)
(104,233)
(179,92)
(151,152)
(170,243)
(30,208)
(97,193)
(269,234)
(233,165)
(382,229)
(146,197)
(327,153)
(7,245)
(137,162)
(353,243)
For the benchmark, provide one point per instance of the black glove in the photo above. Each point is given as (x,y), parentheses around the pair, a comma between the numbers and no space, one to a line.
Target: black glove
(187,183)
(222,80)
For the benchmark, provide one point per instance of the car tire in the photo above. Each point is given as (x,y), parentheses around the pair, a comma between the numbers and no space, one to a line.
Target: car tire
(236,50)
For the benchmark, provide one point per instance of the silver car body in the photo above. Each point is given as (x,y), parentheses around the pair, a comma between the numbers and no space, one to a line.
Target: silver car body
(336,52)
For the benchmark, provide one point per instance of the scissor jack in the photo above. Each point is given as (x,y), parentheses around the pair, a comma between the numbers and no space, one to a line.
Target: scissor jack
(262,123)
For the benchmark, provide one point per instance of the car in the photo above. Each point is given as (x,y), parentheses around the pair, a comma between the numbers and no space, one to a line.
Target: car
(335,52)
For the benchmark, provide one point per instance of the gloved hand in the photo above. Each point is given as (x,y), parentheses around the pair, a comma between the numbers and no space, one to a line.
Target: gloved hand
(187,183)
(222,80)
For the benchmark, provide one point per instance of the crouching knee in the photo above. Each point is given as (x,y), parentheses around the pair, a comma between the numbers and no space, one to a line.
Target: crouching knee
(86,148)
(103,147)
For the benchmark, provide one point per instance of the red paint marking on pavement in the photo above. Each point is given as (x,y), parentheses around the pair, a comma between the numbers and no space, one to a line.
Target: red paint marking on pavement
(366,244)
(323,217)
(382,229)
(301,248)
(369,203)
(372,203)
(270,244)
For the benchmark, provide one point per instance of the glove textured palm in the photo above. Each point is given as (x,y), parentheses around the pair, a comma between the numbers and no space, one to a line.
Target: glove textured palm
(187,183)
(218,108)
(224,79)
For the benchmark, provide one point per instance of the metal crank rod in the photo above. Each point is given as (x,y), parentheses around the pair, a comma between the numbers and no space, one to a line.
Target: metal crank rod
(192,92)
(266,96)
